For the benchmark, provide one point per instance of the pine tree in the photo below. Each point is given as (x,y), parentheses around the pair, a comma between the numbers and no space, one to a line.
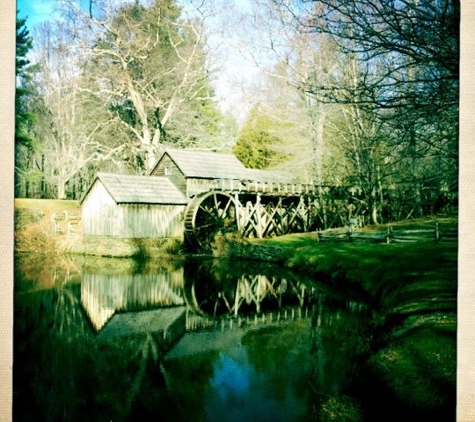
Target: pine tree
(24,70)
(258,143)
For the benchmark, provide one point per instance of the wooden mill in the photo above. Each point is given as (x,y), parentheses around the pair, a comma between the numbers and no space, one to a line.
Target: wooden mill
(196,195)
(224,196)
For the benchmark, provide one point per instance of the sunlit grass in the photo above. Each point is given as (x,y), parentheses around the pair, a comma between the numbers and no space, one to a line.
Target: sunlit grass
(412,289)
(47,206)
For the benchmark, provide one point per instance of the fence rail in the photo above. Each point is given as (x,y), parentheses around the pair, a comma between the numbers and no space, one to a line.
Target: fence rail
(392,235)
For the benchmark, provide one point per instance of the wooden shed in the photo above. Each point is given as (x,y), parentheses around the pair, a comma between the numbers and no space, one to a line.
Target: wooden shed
(127,206)
(194,171)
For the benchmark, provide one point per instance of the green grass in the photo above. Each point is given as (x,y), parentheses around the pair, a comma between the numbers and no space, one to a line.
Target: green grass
(47,206)
(412,289)
(370,265)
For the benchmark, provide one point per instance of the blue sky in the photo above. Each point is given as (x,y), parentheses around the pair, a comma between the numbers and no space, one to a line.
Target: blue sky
(35,11)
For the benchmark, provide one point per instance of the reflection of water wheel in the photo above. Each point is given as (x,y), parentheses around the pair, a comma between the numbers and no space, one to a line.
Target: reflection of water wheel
(207,290)
(208,215)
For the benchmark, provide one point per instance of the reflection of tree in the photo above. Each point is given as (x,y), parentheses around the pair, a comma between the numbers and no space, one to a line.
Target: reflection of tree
(50,336)
(188,381)
(339,337)
(60,369)
(68,321)
(37,271)
(147,350)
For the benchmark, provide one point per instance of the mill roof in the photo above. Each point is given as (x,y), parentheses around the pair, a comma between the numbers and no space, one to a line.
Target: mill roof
(206,164)
(131,189)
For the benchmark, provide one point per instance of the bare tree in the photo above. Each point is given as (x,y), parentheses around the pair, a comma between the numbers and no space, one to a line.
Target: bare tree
(69,124)
(148,64)
(408,53)
(379,92)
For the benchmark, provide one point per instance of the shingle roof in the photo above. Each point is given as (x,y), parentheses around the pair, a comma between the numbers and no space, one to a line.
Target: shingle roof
(205,164)
(128,189)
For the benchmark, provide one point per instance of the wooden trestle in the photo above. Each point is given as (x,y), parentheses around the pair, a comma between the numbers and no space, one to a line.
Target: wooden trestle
(254,210)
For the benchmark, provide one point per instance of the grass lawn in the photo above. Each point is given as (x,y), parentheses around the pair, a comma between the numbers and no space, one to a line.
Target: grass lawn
(412,289)
(47,206)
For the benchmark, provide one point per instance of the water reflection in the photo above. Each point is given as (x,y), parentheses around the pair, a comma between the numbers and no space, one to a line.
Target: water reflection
(102,294)
(210,290)
(215,289)
(203,341)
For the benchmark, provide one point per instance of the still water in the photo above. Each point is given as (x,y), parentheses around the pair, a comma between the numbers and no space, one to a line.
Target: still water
(203,340)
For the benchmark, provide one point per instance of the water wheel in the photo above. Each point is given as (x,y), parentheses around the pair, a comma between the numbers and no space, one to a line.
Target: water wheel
(208,215)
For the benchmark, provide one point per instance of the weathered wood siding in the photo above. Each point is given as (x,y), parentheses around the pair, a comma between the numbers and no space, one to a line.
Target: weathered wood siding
(139,220)
(197,186)
(166,167)
(100,213)
(103,217)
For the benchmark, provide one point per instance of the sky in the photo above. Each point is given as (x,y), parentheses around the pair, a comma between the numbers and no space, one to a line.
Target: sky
(35,11)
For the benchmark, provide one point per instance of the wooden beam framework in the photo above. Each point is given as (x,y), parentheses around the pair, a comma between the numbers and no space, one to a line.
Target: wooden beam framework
(266,216)
(260,214)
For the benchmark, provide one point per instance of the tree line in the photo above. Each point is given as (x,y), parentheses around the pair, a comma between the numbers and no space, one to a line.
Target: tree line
(359,94)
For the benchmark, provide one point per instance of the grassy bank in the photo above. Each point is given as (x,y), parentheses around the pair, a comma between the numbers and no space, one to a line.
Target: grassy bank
(412,289)
(34,230)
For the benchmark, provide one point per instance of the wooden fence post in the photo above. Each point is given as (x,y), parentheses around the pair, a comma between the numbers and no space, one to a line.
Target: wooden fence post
(389,234)
(53,223)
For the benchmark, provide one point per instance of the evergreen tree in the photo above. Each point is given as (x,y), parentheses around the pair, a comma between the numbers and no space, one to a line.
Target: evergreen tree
(24,70)
(258,143)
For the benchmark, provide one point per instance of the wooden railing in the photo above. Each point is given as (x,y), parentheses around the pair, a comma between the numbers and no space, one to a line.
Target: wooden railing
(392,235)
(197,186)
(196,322)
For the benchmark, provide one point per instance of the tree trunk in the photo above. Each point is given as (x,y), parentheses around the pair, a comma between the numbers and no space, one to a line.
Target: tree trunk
(61,189)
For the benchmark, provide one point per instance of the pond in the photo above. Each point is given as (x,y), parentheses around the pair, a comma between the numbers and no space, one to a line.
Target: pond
(192,340)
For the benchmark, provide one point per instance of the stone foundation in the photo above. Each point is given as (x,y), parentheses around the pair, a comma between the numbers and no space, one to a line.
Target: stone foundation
(121,248)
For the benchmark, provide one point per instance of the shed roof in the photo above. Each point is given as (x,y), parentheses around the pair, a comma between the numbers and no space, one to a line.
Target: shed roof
(206,164)
(131,189)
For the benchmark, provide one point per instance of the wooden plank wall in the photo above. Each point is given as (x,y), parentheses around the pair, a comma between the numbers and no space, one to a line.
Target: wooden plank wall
(99,213)
(167,168)
(143,221)
(101,216)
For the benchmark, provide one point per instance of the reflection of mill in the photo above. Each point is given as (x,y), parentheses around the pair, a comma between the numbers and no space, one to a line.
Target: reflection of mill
(254,292)
(228,295)
(104,295)
(227,322)
(201,297)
